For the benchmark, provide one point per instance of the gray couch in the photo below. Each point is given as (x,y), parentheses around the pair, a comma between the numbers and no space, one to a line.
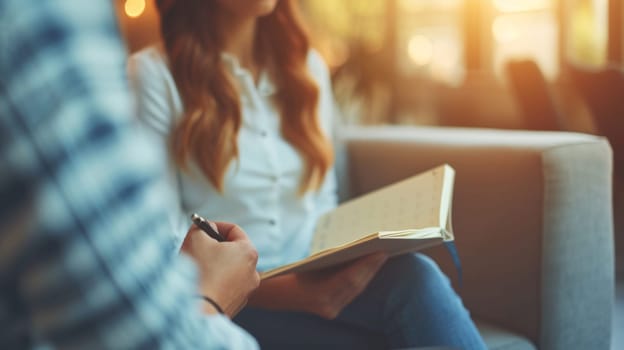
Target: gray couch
(533,224)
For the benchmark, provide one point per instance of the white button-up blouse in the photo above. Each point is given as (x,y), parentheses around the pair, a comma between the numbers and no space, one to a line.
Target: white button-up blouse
(260,187)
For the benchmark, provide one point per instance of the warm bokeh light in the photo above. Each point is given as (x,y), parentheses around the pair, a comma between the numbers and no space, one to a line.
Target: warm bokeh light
(420,50)
(134,8)
(446,61)
(521,5)
(505,29)
(419,5)
(588,32)
(355,22)
(336,52)
(526,36)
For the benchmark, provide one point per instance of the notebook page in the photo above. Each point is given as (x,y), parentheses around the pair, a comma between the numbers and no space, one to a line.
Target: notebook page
(409,204)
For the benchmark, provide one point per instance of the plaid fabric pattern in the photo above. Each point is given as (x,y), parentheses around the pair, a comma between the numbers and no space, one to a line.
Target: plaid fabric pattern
(85,259)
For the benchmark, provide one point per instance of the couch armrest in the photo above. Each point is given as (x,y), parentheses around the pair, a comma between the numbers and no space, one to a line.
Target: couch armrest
(532,216)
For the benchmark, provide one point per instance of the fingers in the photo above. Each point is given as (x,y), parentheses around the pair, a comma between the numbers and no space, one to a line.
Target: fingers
(192,231)
(196,243)
(327,292)
(214,226)
(359,273)
(349,282)
(231,232)
(364,266)
(196,240)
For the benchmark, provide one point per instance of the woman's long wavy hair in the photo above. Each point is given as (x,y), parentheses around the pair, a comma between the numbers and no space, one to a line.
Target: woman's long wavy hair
(208,131)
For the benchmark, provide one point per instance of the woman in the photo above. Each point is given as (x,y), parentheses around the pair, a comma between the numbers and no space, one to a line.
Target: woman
(243,109)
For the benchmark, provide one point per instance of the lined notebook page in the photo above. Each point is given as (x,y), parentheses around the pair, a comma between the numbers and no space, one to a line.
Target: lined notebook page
(413,203)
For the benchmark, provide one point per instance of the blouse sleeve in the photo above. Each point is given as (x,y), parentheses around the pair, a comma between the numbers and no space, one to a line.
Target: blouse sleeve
(156,107)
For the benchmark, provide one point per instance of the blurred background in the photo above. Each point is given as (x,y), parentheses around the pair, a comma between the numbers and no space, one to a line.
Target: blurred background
(450,62)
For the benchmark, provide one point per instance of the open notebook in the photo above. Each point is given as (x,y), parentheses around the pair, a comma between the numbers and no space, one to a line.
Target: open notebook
(406,216)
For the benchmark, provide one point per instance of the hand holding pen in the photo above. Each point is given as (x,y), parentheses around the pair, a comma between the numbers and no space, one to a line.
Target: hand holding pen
(205,226)
(227,270)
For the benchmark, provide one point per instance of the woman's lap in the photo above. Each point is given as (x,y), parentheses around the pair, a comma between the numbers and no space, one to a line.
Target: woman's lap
(408,303)
(293,330)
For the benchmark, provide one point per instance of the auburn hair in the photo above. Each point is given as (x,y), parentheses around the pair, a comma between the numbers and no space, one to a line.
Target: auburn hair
(208,131)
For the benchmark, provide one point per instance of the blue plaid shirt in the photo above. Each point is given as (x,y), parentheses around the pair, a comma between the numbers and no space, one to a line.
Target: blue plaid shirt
(85,259)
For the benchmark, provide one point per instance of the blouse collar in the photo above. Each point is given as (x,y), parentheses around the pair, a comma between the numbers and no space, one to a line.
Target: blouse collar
(265,86)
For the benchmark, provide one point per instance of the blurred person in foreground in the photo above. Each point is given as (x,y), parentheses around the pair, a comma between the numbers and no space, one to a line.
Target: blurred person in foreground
(86,258)
(244,111)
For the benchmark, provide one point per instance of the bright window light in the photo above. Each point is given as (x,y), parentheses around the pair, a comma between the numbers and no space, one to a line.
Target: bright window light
(420,50)
(521,5)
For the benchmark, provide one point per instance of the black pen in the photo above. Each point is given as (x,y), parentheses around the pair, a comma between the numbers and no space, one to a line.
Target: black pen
(205,226)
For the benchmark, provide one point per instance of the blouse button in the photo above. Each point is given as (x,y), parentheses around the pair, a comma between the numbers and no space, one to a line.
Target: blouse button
(263,133)
(272,222)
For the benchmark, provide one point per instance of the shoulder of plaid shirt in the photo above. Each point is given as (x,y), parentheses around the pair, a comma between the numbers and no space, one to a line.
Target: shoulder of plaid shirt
(85,259)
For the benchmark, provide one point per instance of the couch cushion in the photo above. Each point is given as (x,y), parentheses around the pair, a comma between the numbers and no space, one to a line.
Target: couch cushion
(499,339)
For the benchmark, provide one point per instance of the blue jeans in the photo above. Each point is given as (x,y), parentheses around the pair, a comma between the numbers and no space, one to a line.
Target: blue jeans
(409,303)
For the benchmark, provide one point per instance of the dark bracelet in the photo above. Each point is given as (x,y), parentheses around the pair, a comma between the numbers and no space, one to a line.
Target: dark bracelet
(213,303)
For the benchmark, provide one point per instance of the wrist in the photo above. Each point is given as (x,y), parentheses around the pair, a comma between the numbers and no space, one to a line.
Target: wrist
(210,306)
